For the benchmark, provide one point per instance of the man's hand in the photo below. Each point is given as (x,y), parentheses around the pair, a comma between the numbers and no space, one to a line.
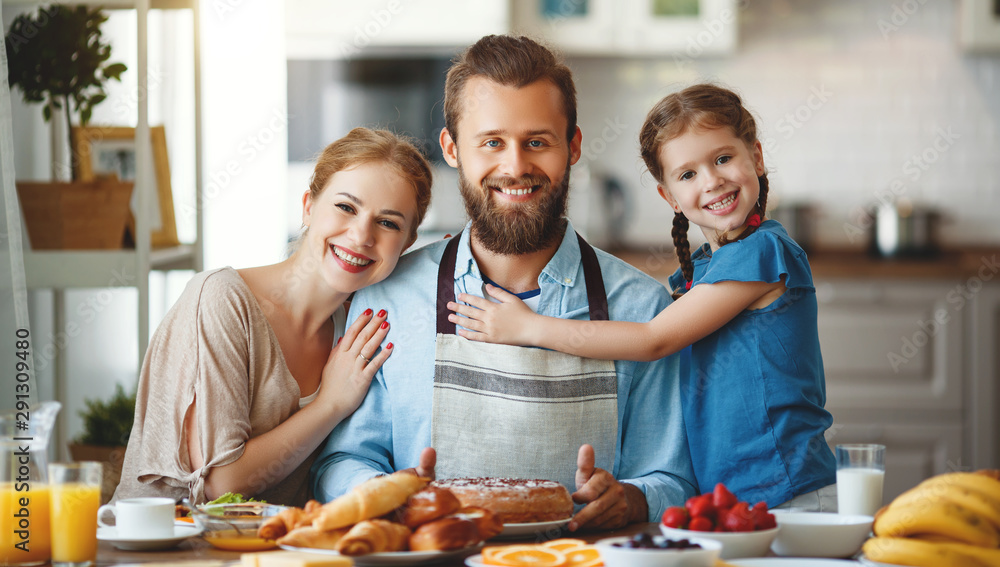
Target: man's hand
(425,468)
(609,503)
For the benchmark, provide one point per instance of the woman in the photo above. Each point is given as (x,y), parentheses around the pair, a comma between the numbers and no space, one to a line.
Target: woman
(252,368)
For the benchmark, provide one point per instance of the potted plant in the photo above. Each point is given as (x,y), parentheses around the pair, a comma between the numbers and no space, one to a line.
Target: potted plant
(58,57)
(106,428)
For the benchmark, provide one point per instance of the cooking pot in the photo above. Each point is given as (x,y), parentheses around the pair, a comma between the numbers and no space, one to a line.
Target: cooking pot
(798,220)
(902,229)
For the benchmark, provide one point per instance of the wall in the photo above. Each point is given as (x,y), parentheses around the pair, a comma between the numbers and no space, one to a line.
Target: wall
(851,96)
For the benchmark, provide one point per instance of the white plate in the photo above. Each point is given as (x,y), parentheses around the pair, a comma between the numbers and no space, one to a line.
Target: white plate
(526,530)
(869,563)
(182,531)
(791,562)
(394,558)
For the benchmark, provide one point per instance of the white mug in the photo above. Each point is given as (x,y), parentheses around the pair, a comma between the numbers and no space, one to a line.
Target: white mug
(141,518)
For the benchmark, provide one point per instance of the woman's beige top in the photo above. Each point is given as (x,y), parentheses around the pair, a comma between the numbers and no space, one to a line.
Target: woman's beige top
(216,347)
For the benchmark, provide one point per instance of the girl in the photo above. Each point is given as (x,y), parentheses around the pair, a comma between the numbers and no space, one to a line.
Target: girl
(252,368)
(753,397)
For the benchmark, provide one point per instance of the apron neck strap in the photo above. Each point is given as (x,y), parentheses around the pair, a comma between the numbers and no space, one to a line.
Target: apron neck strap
(597,297)
(446,286)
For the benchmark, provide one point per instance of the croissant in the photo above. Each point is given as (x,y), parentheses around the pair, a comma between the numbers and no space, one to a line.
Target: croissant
(308,536)
(370,499)
(428,505)
(374,536)
(288,519)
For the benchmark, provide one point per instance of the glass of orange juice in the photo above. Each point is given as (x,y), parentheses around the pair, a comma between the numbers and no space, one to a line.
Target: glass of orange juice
(74,497)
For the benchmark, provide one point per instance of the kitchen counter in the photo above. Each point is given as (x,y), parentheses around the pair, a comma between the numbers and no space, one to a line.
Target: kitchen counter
(969,262)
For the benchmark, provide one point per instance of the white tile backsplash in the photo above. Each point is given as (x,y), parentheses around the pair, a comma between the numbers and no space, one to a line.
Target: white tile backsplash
(886,100)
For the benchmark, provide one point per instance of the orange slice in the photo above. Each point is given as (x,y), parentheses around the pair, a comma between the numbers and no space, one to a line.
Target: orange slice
(585,556)
(490,553)
(564,544)
(527,556)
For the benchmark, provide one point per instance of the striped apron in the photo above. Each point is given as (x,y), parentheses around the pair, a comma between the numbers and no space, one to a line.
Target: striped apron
(508,411)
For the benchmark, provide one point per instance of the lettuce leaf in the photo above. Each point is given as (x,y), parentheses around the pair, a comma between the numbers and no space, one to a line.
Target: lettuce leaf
(232,498)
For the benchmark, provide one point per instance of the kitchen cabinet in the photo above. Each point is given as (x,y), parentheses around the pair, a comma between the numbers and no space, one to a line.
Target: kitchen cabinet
(320,29)
(912,365)
(686,29)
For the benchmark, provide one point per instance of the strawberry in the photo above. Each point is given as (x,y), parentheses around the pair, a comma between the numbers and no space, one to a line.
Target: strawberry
(739,518)
(701,524)
(722,498)
(767,523)
(701,506)
(759,513)
(676,517)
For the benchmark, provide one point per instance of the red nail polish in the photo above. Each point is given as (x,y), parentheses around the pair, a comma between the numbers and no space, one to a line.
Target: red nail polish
(388,346)
(339,339)
(368,312)
(381,313)
(384,325)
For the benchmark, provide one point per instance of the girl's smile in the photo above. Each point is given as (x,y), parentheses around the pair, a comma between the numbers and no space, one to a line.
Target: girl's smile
(724,205)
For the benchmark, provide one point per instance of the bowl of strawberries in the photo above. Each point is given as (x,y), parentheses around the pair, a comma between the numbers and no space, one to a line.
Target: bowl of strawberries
(742,529)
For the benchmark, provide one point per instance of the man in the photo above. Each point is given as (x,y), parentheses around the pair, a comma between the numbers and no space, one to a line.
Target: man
(612,431)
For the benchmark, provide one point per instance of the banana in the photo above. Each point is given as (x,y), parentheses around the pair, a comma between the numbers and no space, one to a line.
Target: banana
(938,516)
(972,499)
(973,481)
(917,553)
(988,556)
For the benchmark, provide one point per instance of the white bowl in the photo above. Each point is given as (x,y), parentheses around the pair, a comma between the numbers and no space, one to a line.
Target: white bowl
(632,557)
(818,534)
(734,544)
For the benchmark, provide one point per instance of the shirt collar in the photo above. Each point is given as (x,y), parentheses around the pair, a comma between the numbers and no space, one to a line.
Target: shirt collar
(563,268)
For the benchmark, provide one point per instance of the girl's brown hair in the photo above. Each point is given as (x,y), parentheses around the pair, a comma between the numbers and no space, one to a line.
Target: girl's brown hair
(699,106)
(364,145)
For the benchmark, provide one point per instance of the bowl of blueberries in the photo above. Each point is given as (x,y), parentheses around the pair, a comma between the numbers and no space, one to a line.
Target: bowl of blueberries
(647,550)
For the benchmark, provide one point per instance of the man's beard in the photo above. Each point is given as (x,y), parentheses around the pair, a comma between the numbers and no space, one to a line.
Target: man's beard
(522,228)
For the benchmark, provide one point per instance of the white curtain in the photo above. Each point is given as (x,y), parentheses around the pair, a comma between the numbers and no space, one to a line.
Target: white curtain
(14,325)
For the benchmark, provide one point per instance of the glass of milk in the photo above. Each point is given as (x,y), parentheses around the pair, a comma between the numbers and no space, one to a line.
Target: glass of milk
(860,473)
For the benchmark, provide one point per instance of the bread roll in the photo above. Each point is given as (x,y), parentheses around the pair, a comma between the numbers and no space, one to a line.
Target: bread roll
(427,505)
(487,522)
(445,534)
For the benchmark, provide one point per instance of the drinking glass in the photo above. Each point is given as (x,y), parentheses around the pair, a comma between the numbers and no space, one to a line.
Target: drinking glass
(860,475)
(75,496)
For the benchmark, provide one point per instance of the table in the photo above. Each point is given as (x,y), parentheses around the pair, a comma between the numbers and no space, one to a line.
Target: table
(198,549)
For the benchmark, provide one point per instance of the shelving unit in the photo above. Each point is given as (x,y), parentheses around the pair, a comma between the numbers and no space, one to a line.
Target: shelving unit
(60,270)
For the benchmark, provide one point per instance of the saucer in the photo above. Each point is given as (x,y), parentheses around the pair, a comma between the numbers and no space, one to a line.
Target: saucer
(182,531)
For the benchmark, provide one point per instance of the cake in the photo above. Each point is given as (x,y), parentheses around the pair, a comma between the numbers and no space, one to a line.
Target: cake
(513,500)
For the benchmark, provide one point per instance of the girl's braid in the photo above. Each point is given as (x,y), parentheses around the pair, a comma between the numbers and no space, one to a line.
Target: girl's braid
(680,234)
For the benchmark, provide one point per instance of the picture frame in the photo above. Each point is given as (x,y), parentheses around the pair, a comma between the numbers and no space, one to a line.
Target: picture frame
(103,151)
